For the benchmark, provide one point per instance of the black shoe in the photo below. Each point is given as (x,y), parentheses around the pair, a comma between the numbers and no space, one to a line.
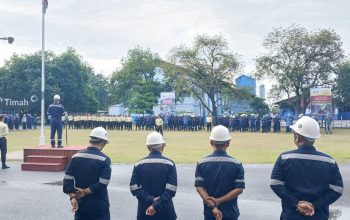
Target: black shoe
(5,167)
(59,146)
(52,146)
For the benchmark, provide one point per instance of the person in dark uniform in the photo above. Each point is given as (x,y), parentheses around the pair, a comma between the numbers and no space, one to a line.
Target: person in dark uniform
(16,120)
(277,123)
(306,180)
(3,142)
(154,182)
(56,110)
(87,177)
(219,179)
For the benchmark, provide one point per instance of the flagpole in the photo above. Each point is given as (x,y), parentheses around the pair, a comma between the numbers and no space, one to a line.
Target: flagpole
(42,130)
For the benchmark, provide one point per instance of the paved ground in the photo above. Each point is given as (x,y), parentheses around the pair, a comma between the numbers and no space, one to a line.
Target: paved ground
(38,195)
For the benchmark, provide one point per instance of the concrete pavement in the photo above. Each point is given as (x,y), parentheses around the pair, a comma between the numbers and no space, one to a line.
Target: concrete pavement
(38,195)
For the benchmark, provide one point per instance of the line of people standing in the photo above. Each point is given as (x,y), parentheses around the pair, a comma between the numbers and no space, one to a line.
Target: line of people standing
(21,121)
(307,181)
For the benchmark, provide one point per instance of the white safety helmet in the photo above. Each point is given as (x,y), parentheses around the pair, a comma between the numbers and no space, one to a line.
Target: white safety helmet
(220,134)
(154,138)
(99,133)
(307,127)
(56,97)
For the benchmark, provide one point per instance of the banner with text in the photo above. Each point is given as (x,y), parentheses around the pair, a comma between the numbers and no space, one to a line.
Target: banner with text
(321,101)
(167,102)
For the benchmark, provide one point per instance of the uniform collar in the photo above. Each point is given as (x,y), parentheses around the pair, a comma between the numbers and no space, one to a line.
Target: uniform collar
(155,153)
(219,152)
(307,147)
(93,148)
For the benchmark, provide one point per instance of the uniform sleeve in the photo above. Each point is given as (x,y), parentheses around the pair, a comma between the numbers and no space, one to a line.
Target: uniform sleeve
(63,110)
(68,180)
(137,190)
(199,178)
(170,189)
(48,110)
(104,178)
(334,191)
(239,181)
(278,185)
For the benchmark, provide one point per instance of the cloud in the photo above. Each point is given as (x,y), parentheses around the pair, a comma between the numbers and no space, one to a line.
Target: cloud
(102,31)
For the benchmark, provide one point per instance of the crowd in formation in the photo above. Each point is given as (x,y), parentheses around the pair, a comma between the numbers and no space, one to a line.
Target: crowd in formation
(306,180)
(23,121)
(242,123)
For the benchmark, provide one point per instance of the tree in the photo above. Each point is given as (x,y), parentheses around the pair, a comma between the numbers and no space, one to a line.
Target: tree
(259,106)
(135,84)
(66,74)
(342,88)
(207,68)
(298,59)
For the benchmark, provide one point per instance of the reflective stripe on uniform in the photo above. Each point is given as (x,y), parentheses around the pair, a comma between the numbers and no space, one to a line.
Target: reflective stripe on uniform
(135,187)
(307,157)
(239,180)
(275,182)
(171,187)
(68,177)
(89,156)
(153,160)
(218,159)
(338,189)
(199,178)
(103,181)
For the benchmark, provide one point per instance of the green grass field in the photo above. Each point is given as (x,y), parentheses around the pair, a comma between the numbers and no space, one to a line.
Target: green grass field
(188,147)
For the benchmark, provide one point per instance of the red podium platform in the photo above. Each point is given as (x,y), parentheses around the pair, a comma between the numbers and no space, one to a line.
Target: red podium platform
(45,158)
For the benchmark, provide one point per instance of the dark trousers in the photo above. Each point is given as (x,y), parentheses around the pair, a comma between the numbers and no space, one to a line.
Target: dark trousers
(159,129)
(56,125)
(87,216)
(3,148)
(208,126)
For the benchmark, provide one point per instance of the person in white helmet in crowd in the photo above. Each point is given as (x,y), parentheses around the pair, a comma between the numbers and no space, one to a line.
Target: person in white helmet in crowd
(219,179)
(87,177)
(154,182)
(306,180)
(56,111)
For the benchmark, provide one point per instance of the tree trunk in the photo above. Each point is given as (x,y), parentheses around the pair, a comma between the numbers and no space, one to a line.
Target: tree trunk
(214,107)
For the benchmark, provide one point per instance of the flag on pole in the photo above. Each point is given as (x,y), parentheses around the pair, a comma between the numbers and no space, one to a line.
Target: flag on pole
(45,6)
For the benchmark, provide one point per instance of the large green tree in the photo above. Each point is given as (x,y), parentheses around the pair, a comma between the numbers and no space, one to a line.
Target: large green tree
(342,87)
(298,59)
(136,83)
(66,74)
(205,69)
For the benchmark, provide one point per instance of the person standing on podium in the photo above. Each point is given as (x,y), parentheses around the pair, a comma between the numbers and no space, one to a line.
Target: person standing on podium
(56,111)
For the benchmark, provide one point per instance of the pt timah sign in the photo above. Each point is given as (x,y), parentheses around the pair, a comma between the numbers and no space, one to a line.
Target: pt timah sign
(12,102)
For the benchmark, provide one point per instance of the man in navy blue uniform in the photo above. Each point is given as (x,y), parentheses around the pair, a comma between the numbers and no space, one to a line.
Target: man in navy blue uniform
(219,179)
(154,182)
(56,111)
(87,177)
(306,180)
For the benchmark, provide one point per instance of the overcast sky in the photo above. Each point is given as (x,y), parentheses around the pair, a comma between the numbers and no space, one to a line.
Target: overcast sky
(103,30)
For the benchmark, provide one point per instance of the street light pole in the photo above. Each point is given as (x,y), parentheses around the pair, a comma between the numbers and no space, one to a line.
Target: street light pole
(9,39)
(42,129)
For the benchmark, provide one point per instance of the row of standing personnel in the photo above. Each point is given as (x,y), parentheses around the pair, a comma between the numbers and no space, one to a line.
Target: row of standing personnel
(307,181)
(242,123)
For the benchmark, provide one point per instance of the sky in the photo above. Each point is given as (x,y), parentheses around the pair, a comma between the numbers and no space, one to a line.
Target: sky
(103,31)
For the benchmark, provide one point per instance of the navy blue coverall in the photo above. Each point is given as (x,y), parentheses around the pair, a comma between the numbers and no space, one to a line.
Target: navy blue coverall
(306,175)
(56,111)
(154,176)
(219,174)
(90,168)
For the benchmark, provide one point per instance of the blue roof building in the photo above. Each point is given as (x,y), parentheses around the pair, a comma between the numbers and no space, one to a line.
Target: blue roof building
(244,81)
